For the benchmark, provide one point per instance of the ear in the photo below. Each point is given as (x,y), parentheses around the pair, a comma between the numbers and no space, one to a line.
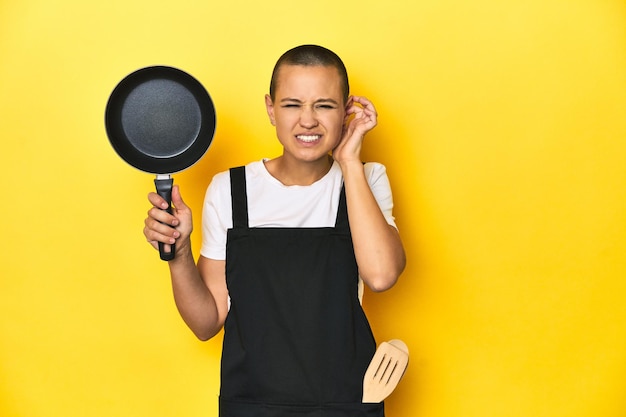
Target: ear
(269,106)
(349,104)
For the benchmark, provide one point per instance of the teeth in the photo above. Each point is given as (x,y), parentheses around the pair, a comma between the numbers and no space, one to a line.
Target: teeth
(308,138)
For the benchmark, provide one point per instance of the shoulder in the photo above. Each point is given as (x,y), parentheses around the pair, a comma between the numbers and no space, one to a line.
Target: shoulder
(374,172)
(221,181)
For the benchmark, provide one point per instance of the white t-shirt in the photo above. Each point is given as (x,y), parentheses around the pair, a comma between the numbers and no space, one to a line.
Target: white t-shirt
(272,204)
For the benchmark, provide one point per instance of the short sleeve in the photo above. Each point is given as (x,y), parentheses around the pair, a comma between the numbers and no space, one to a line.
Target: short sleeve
(378,181)
(216,217)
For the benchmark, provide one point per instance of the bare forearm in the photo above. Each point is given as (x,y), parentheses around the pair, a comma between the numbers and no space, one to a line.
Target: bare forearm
(377,245)
(193,298)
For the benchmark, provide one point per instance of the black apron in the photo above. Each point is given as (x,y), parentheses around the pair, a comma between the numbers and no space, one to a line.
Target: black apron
(296,340)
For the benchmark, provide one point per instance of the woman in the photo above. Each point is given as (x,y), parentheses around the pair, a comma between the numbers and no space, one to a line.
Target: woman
(287,243)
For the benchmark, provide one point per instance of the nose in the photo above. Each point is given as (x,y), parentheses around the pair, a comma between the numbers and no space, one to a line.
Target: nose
(308,118)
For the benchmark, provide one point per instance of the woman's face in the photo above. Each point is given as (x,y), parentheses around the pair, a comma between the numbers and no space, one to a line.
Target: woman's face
(308,111)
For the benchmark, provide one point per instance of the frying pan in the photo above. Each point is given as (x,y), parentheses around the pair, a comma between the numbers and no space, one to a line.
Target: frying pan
(160,120)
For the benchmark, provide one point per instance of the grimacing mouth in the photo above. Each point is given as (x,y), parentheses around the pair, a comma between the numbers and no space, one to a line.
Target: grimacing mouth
(308,138)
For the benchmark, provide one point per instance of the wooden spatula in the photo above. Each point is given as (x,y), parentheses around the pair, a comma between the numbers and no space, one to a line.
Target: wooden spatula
(385,370)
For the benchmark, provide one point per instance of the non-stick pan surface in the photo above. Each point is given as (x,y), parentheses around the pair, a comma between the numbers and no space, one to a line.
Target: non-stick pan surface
(160,119)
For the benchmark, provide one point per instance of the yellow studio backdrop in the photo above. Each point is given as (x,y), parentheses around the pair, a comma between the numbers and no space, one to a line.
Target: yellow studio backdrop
(502,125)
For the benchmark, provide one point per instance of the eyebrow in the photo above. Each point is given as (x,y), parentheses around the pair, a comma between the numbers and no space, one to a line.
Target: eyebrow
(321,100)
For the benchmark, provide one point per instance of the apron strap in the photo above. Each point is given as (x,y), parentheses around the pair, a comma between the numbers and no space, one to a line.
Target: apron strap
(238,197)
(341,223)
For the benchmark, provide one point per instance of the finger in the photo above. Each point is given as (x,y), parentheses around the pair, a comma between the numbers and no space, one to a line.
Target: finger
(156,231)
(157,201)
(162,216)
(360,112)
(367,105)
(177,199)
(154,238)
(363,101)
(354,109)
(362,123)
(367,111)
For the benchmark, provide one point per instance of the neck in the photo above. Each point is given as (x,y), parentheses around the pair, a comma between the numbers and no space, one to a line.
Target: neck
(298,172)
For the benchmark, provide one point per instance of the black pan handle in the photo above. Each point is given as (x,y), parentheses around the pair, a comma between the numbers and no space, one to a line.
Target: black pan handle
(164,189)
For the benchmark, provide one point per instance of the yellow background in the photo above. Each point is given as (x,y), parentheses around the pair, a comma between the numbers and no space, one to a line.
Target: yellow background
(502,125)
